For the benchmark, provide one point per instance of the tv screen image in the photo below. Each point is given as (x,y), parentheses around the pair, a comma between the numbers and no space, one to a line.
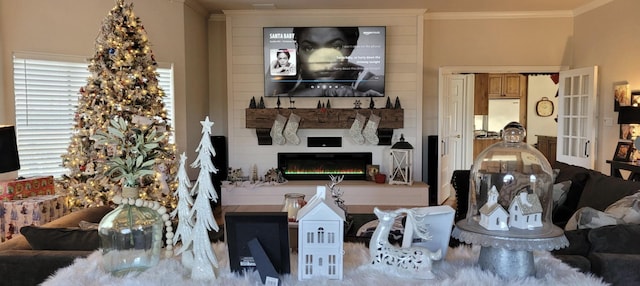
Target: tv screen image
(324,61)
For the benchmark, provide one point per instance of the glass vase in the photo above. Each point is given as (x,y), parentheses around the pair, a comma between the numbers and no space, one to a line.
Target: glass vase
(292,203)
(130,237)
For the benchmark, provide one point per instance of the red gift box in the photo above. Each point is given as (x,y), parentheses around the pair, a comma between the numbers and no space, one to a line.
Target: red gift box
(18,189)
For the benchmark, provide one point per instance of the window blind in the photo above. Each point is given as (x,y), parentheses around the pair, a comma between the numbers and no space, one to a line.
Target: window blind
(46,99)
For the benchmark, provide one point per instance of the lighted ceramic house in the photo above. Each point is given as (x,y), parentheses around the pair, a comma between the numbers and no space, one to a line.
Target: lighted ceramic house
(525,211)
(320,235)
(492,215)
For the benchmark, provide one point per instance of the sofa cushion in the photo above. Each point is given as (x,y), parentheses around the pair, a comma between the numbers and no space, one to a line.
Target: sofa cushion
(601,190)
(578,243)
(578,177)
(616,268)
(622,238)
(43,238)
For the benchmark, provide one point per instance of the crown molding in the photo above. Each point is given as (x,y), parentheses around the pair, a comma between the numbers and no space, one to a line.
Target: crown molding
(497,15)
(337,12)
(516,14)
(195,5)
(590,6)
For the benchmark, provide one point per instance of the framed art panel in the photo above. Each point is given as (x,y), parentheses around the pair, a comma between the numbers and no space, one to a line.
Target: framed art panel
(271,229)
(372,170)
(623,151)
(625,132)
(621,95)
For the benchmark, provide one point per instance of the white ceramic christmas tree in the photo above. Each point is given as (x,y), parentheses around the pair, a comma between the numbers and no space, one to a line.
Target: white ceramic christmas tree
(204,258)
(183,210)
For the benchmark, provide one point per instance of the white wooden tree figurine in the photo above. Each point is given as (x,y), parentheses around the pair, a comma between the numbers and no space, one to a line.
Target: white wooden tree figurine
(183,210)
(320,236)
(204,258)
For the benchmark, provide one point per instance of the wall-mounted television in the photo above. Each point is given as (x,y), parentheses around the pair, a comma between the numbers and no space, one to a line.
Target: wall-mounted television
(324,61)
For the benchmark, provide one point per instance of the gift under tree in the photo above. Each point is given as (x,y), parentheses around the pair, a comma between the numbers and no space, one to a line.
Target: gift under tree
(123,84)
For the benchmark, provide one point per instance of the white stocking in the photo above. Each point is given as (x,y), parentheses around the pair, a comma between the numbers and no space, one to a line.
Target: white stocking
(292,128)
(356,129)
(276,130)
(371,129)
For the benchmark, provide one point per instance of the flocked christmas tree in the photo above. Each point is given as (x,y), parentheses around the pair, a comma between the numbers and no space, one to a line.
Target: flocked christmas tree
(183,212)
(204,258)
(123,84)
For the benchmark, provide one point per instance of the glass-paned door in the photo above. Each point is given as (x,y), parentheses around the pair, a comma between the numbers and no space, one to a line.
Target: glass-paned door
(577,117)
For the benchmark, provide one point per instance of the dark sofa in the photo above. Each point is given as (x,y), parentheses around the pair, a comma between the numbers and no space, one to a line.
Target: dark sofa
(20,264)
(611,252)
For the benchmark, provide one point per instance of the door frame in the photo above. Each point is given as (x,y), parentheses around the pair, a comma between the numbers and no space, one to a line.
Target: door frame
(468,123)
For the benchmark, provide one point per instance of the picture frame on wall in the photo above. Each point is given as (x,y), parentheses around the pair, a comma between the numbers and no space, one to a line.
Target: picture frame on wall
(635,98)
(372,170)
(625,132)
(621,95)
(623,151)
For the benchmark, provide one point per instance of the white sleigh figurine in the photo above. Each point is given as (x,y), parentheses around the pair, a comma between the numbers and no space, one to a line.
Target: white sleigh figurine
(413,261)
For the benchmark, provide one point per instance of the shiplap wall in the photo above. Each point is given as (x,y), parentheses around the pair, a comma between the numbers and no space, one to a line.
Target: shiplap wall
(245,71)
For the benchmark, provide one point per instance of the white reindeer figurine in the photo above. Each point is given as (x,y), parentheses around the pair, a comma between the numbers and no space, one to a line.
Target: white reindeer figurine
(413,261)
(336,193)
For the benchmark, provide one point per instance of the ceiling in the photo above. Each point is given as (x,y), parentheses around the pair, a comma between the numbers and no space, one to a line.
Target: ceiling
(448,6)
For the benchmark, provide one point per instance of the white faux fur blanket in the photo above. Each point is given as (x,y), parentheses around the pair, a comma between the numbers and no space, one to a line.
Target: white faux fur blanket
(459,268)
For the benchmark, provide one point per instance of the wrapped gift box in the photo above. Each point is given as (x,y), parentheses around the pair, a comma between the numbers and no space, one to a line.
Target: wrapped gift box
(36,210)
(18,189)
(2,212)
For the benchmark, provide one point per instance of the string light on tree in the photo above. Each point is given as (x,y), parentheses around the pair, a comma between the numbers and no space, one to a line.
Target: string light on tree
(123,83)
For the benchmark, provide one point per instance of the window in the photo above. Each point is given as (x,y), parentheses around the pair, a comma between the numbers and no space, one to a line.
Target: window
(46,91)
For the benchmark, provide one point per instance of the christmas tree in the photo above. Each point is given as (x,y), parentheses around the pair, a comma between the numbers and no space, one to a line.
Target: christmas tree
(183,211)
(123,85)
(203,255)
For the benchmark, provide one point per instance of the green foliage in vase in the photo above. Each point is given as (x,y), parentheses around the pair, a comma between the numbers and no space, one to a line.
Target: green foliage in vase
(136,151)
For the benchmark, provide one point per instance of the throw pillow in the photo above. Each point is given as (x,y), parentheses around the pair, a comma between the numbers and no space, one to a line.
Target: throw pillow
(560,191)
(85,225)
(625,210)
(42,238)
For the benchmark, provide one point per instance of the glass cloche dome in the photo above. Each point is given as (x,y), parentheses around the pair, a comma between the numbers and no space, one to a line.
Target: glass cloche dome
(510,197)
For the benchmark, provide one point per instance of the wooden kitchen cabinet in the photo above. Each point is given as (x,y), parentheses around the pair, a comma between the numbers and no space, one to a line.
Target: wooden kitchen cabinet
(507,85)
(481,94)
(547,146)
(480,144)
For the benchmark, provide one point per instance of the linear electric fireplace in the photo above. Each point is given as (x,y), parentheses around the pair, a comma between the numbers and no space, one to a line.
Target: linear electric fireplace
(318,166)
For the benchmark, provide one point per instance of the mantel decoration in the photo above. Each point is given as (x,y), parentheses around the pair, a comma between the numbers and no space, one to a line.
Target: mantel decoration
(401,163)
(414,261)
(131,235)
(510,201)
(123,83)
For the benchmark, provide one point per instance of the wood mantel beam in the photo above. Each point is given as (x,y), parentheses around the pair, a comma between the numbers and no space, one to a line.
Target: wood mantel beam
(330,118)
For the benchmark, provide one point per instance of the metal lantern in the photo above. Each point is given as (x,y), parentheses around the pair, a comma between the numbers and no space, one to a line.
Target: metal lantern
(401,163)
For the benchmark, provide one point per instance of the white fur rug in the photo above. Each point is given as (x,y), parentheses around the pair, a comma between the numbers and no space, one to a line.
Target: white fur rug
(459,268)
